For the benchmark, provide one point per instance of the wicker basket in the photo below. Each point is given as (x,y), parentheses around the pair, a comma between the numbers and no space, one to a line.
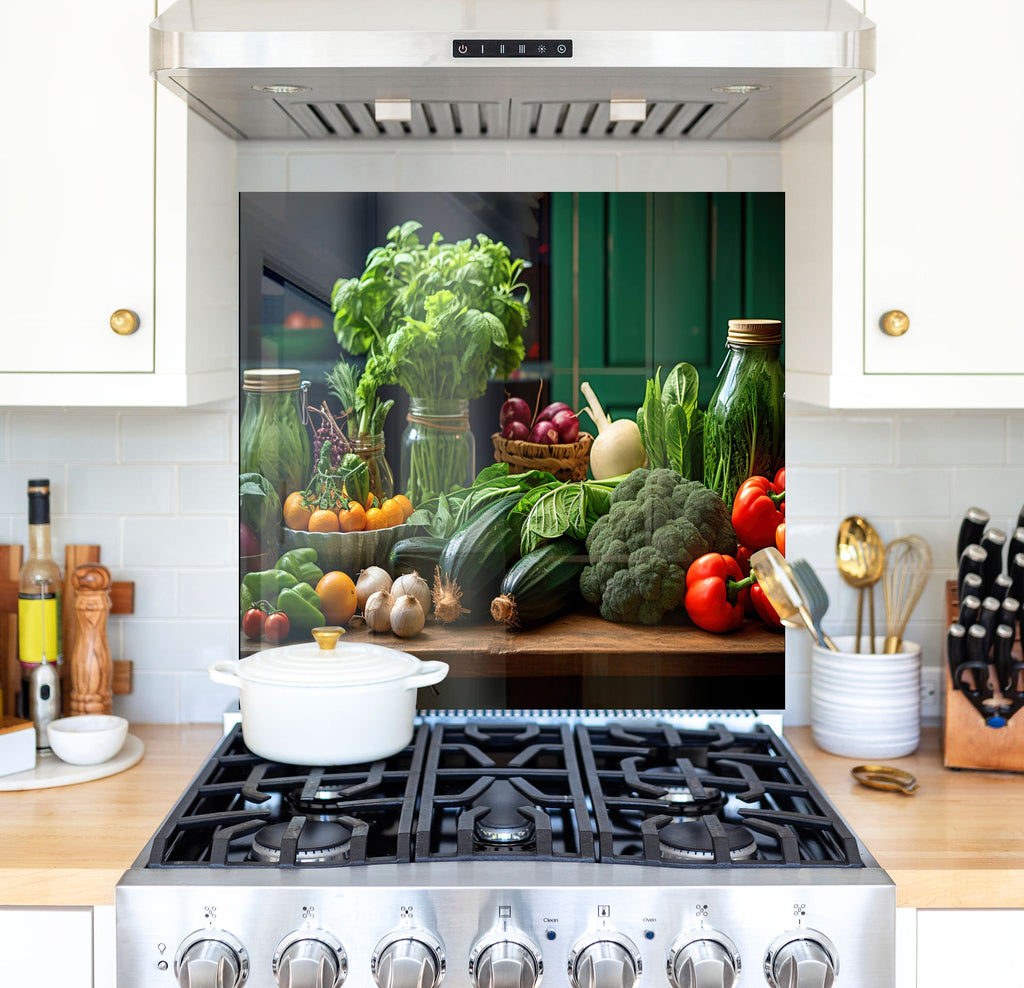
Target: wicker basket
(567,461)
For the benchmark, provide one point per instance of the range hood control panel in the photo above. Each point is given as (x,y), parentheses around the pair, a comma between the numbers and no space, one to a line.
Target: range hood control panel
(514,48)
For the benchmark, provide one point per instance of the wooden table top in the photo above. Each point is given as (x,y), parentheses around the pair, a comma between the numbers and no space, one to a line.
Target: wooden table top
(959,842)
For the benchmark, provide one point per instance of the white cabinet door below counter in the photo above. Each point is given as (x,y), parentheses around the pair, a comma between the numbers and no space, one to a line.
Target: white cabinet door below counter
(46,947)
(78,184)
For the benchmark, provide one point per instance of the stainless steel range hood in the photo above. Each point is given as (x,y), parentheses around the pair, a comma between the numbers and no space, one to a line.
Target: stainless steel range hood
(585,69)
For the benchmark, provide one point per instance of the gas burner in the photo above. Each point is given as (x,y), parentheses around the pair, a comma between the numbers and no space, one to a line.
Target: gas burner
(325,803)
(682,802)
(691,841)
(502,823)
(318,842)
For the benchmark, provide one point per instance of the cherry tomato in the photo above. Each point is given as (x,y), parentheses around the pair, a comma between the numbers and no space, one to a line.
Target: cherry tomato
(780,538)
(276,627)
(252,623)
(295,320)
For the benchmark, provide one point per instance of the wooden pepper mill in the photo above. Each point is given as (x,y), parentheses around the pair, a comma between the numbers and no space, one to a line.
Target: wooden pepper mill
(92,670)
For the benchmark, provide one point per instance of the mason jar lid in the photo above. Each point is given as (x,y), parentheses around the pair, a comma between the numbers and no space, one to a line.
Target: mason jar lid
(271,379)
(754,332)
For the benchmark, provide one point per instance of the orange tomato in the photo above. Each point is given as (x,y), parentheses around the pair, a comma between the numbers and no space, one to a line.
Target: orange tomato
(406,504)
(296,515)
(393,513)
(376,518)
(338,599)
(352,518)
(323,520)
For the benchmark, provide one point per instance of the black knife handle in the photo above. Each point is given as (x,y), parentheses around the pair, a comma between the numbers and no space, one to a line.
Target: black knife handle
(973,524)
(1016,544)
(972,560)
(971,586)
(1001,656)
(956,649)
(988,618)
(1016,571)
(1000,586)
(1009,611)
(970,608)
(993,542)
(981,690)
(977,643)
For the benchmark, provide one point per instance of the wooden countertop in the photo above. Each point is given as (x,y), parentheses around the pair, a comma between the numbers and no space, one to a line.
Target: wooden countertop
(957,843)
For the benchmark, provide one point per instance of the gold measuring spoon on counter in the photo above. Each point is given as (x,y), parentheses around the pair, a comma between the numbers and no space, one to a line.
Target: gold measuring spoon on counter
(886,778)
(860,559)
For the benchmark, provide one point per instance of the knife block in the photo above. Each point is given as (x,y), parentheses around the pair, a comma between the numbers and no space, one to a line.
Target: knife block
(967,741)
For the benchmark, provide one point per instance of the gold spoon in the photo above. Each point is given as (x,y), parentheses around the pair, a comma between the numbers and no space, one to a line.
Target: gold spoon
(860,558)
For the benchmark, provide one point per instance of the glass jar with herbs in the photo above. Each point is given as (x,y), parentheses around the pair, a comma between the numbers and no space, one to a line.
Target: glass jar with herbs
(438,448)
(273,436)
(745,424)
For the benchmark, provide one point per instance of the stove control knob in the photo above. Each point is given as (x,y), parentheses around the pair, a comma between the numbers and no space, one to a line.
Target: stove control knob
(801,959)
(310,959)
(505,962)
(408,959)
(604,960)
(211,959)
(707,960)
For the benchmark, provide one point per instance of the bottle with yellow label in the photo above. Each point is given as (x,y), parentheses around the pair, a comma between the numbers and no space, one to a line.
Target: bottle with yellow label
(39,592)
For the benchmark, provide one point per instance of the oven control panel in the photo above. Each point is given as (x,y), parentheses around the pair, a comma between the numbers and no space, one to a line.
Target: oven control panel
(713,936)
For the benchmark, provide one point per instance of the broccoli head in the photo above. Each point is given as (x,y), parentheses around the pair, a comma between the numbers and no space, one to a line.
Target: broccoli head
(658,524)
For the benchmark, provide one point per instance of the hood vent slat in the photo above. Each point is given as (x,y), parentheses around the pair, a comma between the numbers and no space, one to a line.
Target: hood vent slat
(455,119)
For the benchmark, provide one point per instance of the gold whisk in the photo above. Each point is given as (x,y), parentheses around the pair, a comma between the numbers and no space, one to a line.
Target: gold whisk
(908,563)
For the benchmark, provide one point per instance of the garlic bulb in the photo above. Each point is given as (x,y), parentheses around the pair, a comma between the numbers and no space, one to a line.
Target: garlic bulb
(415,584)
(377,612)
(370,580)
(407,618)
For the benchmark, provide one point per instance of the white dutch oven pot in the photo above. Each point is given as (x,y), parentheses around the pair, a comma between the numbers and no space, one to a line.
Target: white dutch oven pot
(307,705)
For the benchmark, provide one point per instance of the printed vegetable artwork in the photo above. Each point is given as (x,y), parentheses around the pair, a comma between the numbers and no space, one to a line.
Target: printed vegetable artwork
(716,592)
(258,504)
(670,423)
(550,511)
(757,512)
(618,448)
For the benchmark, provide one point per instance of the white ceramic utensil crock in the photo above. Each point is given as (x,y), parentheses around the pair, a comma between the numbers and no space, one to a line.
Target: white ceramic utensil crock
(304,705)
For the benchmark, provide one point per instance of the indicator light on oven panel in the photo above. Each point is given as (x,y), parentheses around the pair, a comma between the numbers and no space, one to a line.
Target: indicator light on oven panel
(463,49)
(603,912)
(551,934)
(561,49)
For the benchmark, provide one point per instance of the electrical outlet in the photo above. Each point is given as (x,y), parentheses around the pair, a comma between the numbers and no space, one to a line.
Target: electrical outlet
(931,694)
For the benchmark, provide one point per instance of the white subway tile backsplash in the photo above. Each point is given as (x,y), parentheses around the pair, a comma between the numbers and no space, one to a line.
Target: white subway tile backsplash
(938,438)
(161,646)
(203,701)
(571,171)
(211,593)
(14,478)
(156,592)
(896,492)
(119,489)
(177,542)
(155,698)
(72,437)
(178,437)
(1000,491)
(815,440)
(418,171)
(206,490)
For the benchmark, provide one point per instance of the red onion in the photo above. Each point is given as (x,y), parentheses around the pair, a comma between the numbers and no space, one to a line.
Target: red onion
(515,430)
(568,426)
(514,410)
(552,410)
(544,432)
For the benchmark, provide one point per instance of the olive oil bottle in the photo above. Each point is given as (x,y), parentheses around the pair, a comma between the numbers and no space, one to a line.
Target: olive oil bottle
(39,596)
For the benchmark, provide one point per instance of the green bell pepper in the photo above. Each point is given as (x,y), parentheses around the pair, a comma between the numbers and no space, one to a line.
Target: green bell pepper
(245,599)
(268,583)
(301,563)
(302,605)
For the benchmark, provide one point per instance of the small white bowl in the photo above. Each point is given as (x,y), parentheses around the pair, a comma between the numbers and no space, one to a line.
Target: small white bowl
(88,739)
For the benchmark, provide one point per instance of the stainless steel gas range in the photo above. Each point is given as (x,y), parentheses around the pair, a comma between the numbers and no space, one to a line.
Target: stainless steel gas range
(503,852)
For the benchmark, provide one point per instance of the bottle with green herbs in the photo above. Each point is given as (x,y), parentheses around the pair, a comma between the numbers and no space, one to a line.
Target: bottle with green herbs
(745,424)
(273,437)
(438,448)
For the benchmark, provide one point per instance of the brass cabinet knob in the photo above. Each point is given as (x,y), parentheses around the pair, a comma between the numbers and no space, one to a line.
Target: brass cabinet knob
(895,323)
(124,322)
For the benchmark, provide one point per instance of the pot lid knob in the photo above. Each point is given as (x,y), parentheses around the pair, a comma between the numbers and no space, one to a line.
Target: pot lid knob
(327,636)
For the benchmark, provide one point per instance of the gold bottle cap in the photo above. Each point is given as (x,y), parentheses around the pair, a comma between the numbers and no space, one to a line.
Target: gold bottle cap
(272,379)
(754,332)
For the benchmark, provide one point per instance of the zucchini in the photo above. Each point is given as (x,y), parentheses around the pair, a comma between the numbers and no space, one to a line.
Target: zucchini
(474,561)
(417,553)
(541,584)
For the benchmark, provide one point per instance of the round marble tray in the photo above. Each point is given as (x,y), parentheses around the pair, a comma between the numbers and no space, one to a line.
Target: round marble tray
(50,771)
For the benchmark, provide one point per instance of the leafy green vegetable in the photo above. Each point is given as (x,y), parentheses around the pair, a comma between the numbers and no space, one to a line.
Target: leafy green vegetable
(557,509)
(671,424)
(357,394)
(258,503)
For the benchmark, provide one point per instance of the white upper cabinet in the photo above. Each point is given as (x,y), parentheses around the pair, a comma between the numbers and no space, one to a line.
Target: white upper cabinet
(907,199)
(95,174)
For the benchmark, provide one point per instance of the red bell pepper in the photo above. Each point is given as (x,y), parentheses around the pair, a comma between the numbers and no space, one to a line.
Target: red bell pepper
(779,480)
(763,606)
(716,592)
(757,511)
